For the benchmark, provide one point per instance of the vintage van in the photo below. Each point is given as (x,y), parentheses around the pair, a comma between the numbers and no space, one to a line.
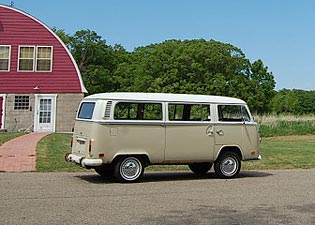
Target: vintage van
(119,134)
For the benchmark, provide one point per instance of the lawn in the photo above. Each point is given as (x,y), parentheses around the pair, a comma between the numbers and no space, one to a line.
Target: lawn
(4,137)
(286,152)
(51,151)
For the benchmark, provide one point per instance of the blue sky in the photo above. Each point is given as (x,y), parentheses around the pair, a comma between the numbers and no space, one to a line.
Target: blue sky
(279,32)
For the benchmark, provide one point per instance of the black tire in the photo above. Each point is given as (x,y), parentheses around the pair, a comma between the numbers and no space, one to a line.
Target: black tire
(200,168)
(105,170)
(128,169)
(228,165)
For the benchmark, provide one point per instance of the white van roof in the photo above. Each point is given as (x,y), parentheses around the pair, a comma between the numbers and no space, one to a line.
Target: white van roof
(164,97)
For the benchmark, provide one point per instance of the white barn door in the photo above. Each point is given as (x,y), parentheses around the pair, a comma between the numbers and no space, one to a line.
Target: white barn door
(45,113)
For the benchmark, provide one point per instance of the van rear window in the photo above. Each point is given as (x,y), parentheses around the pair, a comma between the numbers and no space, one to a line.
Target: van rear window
(138,111)
(189,112)
(86,110)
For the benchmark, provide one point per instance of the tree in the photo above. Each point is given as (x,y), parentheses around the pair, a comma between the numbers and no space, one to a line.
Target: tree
(88,48)
(199,67)
(62,35)
(285,101)
(173,66)
(95,60)
(262,87)
(294,101)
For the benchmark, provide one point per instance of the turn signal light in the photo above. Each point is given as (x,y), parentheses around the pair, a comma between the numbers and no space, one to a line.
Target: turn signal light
(90,145)
(253,152)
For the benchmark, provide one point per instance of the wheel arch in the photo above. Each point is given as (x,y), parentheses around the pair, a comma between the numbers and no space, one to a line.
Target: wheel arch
(232,148)
(143,156)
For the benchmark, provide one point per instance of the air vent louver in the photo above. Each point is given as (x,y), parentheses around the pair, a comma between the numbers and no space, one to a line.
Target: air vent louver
(107,109)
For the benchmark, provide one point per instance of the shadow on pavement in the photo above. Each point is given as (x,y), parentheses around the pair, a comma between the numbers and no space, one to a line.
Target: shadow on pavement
(170,176)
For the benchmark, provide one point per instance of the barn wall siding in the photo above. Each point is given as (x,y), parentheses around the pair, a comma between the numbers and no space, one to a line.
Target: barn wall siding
(18,29)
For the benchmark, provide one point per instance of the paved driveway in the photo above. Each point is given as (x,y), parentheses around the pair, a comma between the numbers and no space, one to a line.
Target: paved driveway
(264,197)
(19,154)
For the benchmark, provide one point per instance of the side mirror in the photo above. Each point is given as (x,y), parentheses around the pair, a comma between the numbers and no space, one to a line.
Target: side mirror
(245,119)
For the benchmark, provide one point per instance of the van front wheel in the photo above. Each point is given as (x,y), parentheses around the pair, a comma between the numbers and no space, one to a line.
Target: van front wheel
(200,168)
(228,165)
(128,169)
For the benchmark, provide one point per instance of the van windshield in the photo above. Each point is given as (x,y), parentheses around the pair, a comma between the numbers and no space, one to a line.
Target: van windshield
(86,110)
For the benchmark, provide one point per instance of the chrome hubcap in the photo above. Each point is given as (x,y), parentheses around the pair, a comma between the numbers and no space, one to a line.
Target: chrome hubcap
(229,166)
(130,168)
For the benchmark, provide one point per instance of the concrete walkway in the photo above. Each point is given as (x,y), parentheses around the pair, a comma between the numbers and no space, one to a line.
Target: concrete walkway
(19,154)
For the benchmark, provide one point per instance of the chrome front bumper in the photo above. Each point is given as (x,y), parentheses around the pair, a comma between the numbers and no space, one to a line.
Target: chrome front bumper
(82,161)
(258,158)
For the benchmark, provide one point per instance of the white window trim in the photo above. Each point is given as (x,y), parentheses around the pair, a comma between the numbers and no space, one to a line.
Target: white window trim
(3,108)
(9,63)
(51,58)
(34,58)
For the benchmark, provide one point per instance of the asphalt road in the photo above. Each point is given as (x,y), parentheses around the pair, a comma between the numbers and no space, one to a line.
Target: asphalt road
(254,198)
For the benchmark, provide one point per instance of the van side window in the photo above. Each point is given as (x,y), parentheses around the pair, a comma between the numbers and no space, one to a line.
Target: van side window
(86,110)
(138,111)
(188,112)
(233,113)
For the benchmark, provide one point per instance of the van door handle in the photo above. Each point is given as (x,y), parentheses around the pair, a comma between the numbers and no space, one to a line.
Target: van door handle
(209,132)
(220,132)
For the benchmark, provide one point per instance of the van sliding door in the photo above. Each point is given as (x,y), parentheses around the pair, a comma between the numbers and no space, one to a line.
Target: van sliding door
(189,133)
(139,129)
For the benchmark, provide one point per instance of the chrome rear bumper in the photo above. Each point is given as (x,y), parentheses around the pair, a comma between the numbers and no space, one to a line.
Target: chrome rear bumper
(82,161)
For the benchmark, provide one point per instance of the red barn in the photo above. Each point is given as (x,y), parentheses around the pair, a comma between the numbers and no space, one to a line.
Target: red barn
(40,83)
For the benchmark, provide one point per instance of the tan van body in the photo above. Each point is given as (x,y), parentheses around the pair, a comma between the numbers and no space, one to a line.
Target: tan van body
(121,133)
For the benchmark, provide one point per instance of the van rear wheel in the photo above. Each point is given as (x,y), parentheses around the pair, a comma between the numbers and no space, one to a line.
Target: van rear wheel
(200,168)
(128,169)
(228,165)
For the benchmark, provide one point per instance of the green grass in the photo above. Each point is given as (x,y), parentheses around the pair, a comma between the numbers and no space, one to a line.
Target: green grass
(51,151)
(286,152)
(4,137)
(285,128)
(278,153)
(285,125)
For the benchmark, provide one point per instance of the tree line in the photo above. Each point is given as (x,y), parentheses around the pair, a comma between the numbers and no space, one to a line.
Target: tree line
(294,102)
(173,66)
